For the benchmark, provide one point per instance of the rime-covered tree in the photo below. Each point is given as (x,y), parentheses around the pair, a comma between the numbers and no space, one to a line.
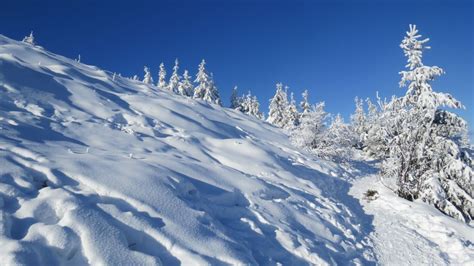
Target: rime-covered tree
(335,142)
(304,104)
(235,100)
(310,129)
(249,104)
(425,151)
(211,94)
(205,89)
(162,77)
(278,114)
(147,79)
(359,122)
(185,86)
(30,39)
(292,114)
(175,78)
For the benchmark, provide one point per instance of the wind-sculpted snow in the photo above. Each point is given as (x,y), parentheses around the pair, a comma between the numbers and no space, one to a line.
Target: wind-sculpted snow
(103,170)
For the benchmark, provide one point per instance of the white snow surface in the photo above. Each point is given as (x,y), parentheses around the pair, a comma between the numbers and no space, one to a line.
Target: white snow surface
(103,171)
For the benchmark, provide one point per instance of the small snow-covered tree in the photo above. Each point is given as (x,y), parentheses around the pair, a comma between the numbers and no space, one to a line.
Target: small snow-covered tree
(205,89)
(359,123)
(175,78)
(292,114)
(162,77)
(310,129)
(30,39)
(425,154)
(147,79)
(249,104)
(336,141)
(185,86)
(304,104)
(234,99)
(278,114)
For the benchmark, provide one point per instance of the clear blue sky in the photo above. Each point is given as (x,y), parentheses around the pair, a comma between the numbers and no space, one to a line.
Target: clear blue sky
(336,49)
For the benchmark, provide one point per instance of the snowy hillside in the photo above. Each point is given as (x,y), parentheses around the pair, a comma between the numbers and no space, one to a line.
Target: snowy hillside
(96,169)
(102,171)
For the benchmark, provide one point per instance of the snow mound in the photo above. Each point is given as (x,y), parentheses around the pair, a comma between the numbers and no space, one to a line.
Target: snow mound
(103,170)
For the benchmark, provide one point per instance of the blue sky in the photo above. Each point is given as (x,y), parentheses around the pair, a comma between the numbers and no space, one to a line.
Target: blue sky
(336,49)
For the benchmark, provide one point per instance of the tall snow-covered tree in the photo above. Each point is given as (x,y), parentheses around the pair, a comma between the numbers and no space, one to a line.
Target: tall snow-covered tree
(424,149)
(185,86)
(30,39)
(205,89)
(175,78)
(304,104)
(310,129)
(162,77)
(278,114)
(292,114)
(147,79)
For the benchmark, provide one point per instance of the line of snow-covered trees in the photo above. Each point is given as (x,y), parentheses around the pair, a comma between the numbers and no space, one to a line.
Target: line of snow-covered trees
(423,147)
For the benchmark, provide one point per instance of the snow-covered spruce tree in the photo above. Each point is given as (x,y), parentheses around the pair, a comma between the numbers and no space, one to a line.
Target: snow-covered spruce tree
(277,114)
(175,78)
(310,129)
(185,86)
(249,105)
(425,153)
(292,114)
(162,77)
(304,104)
(205,89)
(147,79)
(30,39)
(255,108)
(359,123)
(235,100)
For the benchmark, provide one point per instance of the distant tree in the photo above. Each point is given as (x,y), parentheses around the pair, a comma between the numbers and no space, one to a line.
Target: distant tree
(234,99)
(162,77)
(175,78)
(278,114)
(304,104)
(205,89)
(310,129)
(185,86)
(336,141)
(292,114)
(147,79)
(359,122)
(249,104)
(30,39)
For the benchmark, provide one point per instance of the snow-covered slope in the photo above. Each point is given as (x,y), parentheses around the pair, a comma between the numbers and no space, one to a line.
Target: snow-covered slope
(112,171)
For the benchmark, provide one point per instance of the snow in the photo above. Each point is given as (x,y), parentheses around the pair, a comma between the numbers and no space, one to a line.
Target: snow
(97,169)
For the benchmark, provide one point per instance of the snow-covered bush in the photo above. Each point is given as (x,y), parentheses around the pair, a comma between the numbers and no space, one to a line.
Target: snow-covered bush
(311,128)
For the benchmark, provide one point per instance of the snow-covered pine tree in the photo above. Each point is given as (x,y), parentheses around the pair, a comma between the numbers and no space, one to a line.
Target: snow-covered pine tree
(304,104)
(277,114)
(147,79)
(308,133)
(235,100)
(426,155)
(30,39)
(292,114)
(255,108)
(359,123)
(206,89)
(185,86)
(162,77)
(175,78)
(211,94)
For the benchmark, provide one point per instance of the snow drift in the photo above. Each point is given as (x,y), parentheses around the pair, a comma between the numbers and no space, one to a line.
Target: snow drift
(106,170)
